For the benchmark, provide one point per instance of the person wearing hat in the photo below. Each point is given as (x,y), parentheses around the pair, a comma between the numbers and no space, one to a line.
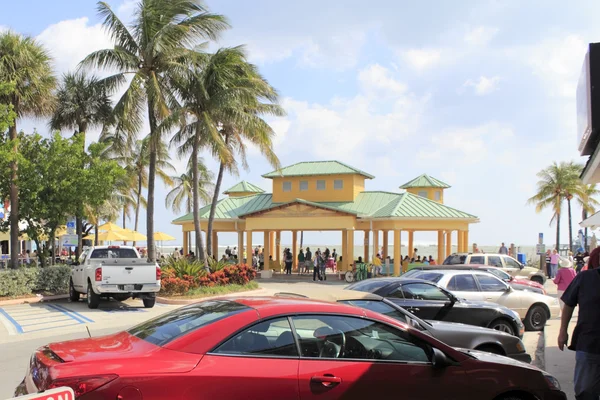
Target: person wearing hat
(583,292)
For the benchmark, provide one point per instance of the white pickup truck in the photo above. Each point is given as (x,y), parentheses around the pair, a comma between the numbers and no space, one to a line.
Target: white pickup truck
(114,271)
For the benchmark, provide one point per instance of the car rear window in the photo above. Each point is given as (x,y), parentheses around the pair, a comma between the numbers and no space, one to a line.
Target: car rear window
(369,285)
(428,276)
(169,326)
(454,259)
(114,253)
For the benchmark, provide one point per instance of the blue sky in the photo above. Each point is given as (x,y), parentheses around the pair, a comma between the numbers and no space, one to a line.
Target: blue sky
(480,94)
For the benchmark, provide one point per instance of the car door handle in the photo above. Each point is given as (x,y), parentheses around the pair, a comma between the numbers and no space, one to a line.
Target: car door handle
(129,268)
(414,309)
(327,381)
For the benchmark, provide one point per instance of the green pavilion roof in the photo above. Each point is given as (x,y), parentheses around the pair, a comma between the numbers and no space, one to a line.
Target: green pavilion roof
(425,181)
(244,187)
(315,168)
(367,205)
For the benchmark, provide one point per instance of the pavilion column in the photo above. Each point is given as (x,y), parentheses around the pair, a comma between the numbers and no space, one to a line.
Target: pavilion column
(249,250)
(349,248)
(386,250)
(295,249)
(278,248)
(366,246)
(411,244)
(448,243)
(240,247)
(375,242)
(342,265)
(440,253)
(215,244)
(466,240)
(397,255)
(461,244)
(272,243)
(267,250)
(186,244)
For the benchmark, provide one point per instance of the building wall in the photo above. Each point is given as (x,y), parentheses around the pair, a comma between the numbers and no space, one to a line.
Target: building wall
(430,193)
(352,185)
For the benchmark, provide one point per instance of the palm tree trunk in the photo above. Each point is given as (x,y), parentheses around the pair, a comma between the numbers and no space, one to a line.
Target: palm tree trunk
(137,204)
(570,225)
(96,241)
(558,232)
(14,203)
(124,222)
(585,245)
(82,128)
(213,208)
(154,138)
(53,248)
(196,201)
(301,239)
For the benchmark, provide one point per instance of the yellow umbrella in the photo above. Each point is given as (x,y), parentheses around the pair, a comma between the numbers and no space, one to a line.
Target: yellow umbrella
(162,236)
(61,231)
(108,236)
(25,236)
(132,235)
(110,227)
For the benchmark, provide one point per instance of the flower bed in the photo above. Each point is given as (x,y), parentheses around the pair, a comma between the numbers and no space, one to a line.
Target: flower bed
(181,277)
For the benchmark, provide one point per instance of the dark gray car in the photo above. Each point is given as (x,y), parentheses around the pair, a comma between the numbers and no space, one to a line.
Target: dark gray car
(453,334)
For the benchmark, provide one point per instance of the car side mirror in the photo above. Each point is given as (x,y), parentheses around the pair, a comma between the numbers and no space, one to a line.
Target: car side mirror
(414,323)
(508,288)
(439,360)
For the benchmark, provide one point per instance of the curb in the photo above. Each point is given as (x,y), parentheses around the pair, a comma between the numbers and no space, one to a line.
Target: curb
(539,358)
(36,299)
(165,300)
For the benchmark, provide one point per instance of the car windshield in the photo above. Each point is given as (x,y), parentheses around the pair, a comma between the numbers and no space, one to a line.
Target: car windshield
(412,273)
(382,307)
(369,285)
(169,326)
(454,259)
(428,276)
(114,253)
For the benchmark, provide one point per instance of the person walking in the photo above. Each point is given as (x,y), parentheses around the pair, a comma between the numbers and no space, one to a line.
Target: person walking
(554,259)
(583,292)
(564,277)
(323,266)
(301,264)
(289,260)
(503,249)
(316,269)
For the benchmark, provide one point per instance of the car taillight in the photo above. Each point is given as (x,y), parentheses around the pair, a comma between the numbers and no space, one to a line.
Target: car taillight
(158,273)
(83,384)
(98,274)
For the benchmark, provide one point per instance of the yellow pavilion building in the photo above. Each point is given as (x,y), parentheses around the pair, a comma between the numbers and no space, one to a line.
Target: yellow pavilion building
(331,196)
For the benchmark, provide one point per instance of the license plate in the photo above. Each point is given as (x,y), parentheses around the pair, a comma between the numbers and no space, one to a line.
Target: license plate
(129,287)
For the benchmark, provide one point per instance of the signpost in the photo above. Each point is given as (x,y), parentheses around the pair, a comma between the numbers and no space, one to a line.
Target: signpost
(71,226)
(62,393)
(69,240)
(540,249)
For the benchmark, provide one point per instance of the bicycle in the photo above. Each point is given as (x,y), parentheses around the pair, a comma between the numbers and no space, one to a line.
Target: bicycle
(358,273)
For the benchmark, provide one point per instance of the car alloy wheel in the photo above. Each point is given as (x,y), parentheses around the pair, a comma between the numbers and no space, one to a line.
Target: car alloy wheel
(502,326)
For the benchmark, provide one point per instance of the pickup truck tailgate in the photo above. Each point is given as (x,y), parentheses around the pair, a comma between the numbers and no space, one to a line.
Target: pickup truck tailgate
(127,271)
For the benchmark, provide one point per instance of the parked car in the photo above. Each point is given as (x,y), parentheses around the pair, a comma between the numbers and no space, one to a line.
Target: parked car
(533,308)
(279,348)
(451,333)
(431,302)
(114,271)
(515,283)
(506,262)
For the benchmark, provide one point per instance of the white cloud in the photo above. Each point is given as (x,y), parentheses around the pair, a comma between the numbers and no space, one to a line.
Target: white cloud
(480,35)
(421,59)
(378,78)
(70,41)
(483,85)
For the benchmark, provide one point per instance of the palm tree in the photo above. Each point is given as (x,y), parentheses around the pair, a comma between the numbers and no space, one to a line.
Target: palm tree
(588,204)
(155,47)
(82,102)
(26,64)
(573,188)
(555,182)
(182,190)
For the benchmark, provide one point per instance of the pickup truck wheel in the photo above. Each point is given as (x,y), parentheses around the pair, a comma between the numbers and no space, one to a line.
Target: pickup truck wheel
(93,300)
(73,294)
(149,303)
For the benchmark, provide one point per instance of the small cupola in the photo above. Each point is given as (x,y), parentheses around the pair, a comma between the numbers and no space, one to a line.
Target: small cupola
(243,189)
(428,187)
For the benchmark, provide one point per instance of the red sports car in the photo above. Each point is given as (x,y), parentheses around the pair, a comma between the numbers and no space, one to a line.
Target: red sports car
(279,348)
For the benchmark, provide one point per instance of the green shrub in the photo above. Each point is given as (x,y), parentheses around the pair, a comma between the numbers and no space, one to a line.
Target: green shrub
(26,280)
(182,267)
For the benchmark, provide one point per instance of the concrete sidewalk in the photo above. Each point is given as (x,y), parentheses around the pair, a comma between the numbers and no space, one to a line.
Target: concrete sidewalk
(560,364)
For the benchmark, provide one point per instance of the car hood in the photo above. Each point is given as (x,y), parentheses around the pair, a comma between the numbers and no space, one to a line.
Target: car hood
(458,327)
(497,359)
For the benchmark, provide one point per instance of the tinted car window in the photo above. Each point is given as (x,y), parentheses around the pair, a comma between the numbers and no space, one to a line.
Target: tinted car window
(169,326)
(510,263)
(454,259)
(494,261)
(428,276)
(369,285)
(423,291)
(114,253)
(268,338)
(322,336)
(378,307)
(412,273)
(477,260)
(490,283)
(463,283)
(500,274)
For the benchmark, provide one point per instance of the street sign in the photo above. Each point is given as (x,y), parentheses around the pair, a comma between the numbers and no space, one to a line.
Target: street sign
(69,240)
(71,226)
(540,248)
(62,393)
(541,238)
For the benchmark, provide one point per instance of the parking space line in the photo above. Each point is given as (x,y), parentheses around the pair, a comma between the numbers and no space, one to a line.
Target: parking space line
(50,327)
(53,306)
(75,313)
(48,322)
(48,315)
(11,320)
